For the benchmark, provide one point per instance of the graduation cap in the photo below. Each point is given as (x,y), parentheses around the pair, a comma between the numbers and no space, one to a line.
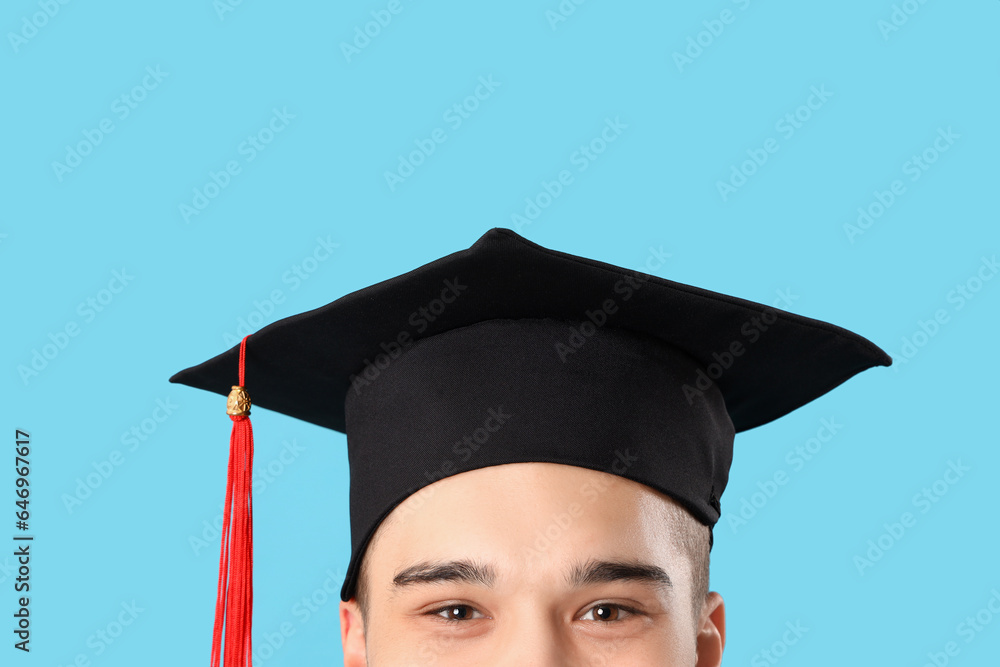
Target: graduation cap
(511,352)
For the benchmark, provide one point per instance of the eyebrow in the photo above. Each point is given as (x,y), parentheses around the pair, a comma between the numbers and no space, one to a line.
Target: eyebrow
(435,572)
(581,575)
(609,571)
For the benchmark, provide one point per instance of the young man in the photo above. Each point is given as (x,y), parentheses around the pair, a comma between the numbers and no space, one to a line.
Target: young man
(535,564)
(538,445)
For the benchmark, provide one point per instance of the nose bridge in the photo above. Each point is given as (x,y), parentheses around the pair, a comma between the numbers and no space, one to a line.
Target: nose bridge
(535,637)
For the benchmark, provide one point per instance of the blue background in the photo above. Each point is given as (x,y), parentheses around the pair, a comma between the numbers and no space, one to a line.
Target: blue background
(224,69)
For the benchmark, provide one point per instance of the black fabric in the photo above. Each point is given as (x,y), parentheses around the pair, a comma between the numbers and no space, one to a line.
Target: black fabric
(498,392)
(593,357)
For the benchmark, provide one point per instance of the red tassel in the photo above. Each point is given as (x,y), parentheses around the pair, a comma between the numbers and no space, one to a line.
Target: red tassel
(234,605)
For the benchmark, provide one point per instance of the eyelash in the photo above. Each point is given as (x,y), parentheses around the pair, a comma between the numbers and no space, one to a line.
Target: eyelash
(439,611)
(620,607)
(630,611)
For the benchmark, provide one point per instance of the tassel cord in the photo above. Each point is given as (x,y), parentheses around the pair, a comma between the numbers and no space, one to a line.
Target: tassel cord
(231,636)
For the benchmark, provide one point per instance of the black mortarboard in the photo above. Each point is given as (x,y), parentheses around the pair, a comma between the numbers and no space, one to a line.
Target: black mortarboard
(511,352)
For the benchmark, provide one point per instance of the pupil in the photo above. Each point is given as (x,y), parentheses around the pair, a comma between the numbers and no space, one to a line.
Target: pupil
(457,612)
(605,613)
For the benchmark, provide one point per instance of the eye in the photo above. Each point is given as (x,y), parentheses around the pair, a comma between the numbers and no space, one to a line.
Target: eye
(455,613)
(607,612)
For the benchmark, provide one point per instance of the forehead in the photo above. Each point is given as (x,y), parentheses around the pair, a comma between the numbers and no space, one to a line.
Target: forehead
(527,515)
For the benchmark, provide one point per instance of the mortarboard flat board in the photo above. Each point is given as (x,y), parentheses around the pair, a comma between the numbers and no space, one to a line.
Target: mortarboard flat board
(572,360)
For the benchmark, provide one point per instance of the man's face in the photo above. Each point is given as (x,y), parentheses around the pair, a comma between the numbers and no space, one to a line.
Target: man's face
(531,564)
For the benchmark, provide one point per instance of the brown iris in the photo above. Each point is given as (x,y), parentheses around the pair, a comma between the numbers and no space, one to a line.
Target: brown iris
(606,612)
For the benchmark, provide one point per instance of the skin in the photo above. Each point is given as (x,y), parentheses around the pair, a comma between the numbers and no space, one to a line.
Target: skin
(519,532)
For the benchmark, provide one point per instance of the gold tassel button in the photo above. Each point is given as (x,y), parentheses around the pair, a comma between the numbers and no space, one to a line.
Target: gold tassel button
(238,403)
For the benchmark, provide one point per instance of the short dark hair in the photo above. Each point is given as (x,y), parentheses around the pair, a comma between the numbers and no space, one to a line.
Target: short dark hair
(692,536)
(361,588)
(695,540)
